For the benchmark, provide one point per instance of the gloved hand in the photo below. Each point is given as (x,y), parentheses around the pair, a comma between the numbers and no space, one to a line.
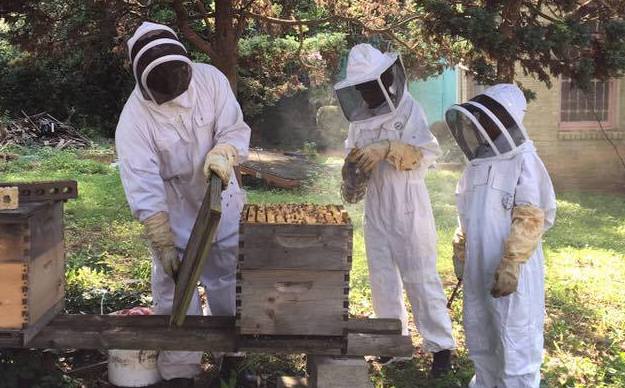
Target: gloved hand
(159,233)
(400,155)
(354,185)
(459,248)
(404,157)
(525,233)
(220,160)
(506,278)
(373,154)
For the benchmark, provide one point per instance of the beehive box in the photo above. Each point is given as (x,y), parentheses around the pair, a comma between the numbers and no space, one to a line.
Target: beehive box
(294,263)
(31,268)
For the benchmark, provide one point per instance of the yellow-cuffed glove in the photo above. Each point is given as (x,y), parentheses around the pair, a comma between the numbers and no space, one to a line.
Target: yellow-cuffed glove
(527,229)
(459,248)
(400,155)
(373,154)
(161,238)
(404,157)
(220,160)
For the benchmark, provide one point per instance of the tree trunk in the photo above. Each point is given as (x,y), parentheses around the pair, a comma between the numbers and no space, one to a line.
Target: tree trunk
(226,42)
(510,16)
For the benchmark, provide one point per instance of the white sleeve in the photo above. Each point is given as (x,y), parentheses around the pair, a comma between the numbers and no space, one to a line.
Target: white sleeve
(139,168)
(350,142)
(418,134)
(535,188)
(229,125)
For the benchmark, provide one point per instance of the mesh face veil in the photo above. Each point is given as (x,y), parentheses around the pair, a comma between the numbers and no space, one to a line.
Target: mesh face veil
(160,63)
(374,86)
(485,127)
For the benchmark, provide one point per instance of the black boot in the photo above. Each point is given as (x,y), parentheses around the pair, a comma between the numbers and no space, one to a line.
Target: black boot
(441,364)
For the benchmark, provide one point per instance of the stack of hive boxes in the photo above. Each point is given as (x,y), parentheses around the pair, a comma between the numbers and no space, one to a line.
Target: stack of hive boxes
(294,264)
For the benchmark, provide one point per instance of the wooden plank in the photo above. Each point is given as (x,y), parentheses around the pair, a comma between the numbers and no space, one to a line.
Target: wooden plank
(9,198)
(379,345)
(22,213)
(155,338)
(251,215)
(374,326)
(13,242)
(198,334)
(271,179)
(46,229)
(45,191)
(46,280)
(13,298)
(289,302)
(297,246)
(108,322)
(292,344)
(198,249)
(34,328)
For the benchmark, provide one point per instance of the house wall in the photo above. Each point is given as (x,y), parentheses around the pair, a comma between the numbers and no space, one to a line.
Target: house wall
(436,94)
(580,159)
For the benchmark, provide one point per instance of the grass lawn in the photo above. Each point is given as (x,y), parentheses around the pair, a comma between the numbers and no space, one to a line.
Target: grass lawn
(108,267)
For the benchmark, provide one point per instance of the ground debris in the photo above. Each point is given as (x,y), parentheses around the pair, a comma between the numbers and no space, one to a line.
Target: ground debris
(41,129)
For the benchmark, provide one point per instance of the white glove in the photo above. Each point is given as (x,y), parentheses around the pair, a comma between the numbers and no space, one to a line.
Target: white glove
(159,233)
(220,160)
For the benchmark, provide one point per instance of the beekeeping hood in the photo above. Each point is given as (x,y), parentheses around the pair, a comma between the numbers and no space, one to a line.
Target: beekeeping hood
(490,124)
(160,63)
(374,85)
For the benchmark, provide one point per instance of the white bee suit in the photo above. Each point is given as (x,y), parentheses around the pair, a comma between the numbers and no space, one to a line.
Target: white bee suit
(504,335)
(162,149)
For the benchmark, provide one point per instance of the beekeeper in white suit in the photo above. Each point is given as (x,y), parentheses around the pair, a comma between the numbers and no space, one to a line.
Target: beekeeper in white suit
(505,202)
(389,139)
(180,122)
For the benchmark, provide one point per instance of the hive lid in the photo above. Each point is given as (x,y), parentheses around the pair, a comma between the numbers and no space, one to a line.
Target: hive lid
(24,211)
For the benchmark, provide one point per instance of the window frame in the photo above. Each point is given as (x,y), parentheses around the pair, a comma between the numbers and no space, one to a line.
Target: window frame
(592,125)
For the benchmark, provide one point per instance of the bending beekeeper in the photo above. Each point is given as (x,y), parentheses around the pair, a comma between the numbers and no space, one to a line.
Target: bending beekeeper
(389,143)
(181,122)
(505,203)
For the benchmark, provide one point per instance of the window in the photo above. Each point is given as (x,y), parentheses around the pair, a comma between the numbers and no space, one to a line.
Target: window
(583,110)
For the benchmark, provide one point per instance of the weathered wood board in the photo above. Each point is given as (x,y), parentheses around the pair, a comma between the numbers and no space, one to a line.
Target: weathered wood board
(216,334)
(292,302)
(198,249)
(327,247)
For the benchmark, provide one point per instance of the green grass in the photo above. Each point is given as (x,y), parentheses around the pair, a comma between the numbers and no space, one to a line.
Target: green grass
(108,266)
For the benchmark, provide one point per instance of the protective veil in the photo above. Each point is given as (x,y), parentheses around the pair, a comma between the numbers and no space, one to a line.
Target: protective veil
(162,151)
(400,234)
(503,193)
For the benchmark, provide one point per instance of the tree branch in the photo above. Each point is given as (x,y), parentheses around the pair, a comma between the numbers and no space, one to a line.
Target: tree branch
(287,22)
(185,27)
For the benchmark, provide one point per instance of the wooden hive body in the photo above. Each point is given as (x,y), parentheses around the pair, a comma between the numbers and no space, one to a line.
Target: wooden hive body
(32,269)
(293,278)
